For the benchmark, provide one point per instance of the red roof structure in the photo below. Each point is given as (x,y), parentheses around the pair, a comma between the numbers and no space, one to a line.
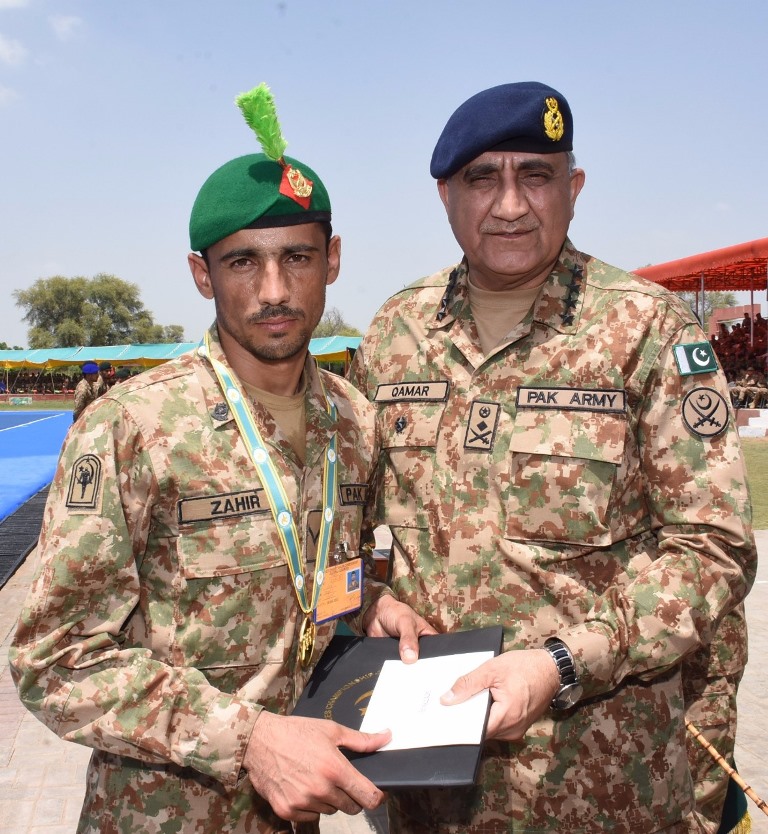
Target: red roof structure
(740,267)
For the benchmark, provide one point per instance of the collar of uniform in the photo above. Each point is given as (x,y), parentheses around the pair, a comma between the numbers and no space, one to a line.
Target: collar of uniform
(320,425)
(454,299)
(561,298)
(215,404)
(317,414)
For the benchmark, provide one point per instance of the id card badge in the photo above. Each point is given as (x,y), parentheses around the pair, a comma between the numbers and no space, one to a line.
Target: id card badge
(342,591)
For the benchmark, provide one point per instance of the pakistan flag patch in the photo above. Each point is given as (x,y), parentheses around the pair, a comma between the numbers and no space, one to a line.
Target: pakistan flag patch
(697,358)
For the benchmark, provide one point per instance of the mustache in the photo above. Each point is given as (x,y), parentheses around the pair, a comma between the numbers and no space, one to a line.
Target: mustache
(278,311)
(506,228)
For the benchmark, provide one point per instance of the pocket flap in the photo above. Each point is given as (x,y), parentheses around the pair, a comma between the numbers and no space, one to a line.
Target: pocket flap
(224,549)
(571,434)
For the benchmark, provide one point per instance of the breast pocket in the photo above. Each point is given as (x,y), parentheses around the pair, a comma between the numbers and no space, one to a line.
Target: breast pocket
(563,475)
(410,485)
(235,593)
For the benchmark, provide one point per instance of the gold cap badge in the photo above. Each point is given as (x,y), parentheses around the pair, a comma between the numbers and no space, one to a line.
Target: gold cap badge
(295,185)
(553,121)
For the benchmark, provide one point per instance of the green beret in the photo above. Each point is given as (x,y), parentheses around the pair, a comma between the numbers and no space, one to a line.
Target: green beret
(245,193)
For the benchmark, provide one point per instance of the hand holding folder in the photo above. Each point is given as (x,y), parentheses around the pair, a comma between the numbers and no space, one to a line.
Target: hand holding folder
(341,687)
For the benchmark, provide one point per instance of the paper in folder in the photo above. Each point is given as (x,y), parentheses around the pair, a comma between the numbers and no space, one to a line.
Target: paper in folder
(341,687)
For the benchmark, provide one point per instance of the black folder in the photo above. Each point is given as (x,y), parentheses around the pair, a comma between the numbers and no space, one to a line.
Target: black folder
(341,686)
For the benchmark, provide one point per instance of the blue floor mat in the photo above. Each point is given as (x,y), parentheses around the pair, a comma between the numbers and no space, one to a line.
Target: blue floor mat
(30,442)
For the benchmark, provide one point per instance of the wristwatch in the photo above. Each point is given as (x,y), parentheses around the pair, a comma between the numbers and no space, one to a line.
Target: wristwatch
(570,689)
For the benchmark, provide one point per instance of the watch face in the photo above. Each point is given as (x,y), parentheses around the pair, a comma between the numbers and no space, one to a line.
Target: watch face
(568,696)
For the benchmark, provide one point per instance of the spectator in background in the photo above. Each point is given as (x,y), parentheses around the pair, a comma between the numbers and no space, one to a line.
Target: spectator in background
(107,374)
(90,387)
(750,390)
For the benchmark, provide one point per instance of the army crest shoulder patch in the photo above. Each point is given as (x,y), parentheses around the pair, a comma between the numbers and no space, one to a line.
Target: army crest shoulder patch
(85,483)
(705,412)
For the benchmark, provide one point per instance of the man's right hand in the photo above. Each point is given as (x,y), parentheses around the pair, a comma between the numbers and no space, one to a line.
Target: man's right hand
(296,765)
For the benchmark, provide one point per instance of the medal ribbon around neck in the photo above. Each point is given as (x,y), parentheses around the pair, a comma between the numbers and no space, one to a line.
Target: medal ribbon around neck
(273,485)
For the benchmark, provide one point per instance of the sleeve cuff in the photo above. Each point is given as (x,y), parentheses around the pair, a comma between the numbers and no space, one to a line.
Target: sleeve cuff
(223,739)
(593,654)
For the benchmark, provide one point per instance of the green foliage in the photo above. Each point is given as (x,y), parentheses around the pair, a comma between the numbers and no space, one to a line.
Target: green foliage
(756,457)
(332,324)
(6,346)
(258,109)
(173,334)
(103,310)
(713,300)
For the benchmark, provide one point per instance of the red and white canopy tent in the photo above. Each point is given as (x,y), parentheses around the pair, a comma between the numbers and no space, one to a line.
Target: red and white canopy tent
(743,267)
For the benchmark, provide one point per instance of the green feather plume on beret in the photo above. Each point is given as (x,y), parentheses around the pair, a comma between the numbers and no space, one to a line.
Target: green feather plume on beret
(246,192)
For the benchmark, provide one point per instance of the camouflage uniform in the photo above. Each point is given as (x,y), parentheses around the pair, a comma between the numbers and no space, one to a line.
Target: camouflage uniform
(85,393)
(711,679)
(163,618)
(552,487)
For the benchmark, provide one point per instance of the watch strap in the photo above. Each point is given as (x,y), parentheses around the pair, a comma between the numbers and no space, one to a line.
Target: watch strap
(566,668)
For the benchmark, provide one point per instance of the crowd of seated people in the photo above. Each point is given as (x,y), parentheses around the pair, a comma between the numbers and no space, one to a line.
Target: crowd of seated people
(46,383)
(742,351)
(38,382)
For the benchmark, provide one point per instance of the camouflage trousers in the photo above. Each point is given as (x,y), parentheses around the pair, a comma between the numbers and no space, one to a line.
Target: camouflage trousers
(711,708)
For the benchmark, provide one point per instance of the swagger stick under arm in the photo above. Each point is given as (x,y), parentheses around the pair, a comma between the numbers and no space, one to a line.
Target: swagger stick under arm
(761,803)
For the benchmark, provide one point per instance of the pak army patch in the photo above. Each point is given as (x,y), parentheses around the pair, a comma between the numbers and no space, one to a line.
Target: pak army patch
(84,491)
(481,428)
(705,412)
(350,494)
(697,358)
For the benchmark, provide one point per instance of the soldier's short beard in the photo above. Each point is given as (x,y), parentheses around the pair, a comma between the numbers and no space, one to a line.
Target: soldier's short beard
(279,348)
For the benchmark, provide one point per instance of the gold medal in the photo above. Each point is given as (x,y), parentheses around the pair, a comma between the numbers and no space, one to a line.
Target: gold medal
(306,641)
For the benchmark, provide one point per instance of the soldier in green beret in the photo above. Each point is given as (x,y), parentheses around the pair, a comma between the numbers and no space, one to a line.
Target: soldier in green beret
(193,530)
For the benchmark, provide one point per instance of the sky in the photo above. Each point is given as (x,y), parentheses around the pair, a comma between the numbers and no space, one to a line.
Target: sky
(113,114)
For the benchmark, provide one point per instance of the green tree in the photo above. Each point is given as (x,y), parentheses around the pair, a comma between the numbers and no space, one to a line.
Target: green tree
(103,310)
(173,334)
(713,300)
(332,324)
(6,346)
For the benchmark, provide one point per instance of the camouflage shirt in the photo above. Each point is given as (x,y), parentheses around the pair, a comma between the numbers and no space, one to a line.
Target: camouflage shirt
(163,618)
(575,483)
(85,393)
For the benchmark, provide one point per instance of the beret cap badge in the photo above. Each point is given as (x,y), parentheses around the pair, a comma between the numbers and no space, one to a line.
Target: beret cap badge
(296,186)
(554,128)
(259,111)
(258,190)
(523,117)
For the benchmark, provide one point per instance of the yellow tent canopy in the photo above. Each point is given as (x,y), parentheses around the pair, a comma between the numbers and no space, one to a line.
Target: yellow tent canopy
(330,349)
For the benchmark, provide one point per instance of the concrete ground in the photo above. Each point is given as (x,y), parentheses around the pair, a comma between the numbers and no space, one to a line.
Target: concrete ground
(42,778)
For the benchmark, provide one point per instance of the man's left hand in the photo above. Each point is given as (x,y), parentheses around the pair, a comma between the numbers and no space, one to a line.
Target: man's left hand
(522,685)
(388,617)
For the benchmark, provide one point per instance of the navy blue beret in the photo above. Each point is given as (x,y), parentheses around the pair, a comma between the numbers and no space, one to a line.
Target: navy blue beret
(90,368)
(526,116)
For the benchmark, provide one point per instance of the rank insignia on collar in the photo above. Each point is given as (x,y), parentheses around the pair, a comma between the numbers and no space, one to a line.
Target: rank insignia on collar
(220,412)
(554,127)
(572,295)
